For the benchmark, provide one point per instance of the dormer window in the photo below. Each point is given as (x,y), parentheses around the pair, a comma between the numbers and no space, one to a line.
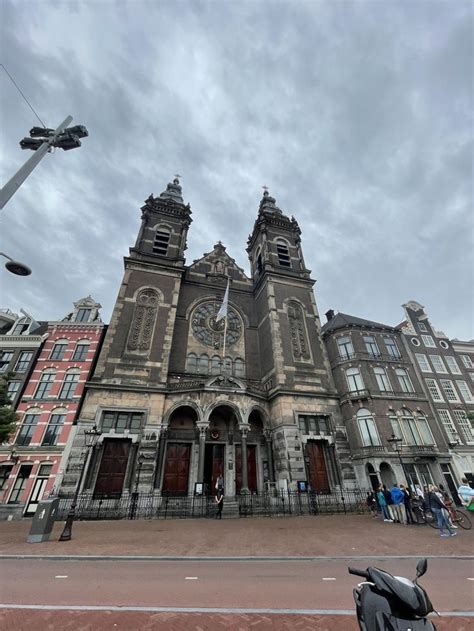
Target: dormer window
(83,315)
(20,326)
(283,254)
(162,239)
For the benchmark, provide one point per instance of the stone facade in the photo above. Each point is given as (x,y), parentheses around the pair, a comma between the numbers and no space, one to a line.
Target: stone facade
(182,397)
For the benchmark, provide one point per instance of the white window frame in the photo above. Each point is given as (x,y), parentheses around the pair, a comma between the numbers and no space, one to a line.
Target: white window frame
(355,375)
(433,389)
(410,430)
(342,347)
(452,365)
(368,427)
(423,362)
(422,421)
(404,380)
(467,361)
(422,327)
(382,379)
(465,391)
(450,391)
(392,347)
(447,422)
(438,364)
(465,425)
(428,341)
(371,346)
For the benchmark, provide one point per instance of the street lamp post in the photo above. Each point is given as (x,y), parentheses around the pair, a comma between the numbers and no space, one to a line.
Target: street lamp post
(91,437)
(396,444)
(41,141)
(135,494)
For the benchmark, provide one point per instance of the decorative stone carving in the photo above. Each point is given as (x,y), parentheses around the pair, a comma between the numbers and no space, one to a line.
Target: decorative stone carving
(141,331)
(299,342)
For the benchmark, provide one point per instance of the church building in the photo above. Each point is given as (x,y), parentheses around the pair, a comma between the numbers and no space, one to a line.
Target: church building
(182,397)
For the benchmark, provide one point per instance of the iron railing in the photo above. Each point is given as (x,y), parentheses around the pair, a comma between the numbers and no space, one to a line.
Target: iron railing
(91,506)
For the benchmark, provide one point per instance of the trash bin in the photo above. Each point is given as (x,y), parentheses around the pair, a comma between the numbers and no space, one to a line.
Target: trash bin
(43,521)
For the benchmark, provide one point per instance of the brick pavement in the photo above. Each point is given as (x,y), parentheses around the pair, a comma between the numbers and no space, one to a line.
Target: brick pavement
(21,620)
(324,535)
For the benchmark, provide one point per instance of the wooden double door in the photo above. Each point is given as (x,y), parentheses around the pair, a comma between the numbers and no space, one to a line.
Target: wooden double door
(113,466)
(317,467)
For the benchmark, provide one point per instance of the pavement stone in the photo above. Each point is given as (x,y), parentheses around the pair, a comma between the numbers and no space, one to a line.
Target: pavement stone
(328,535)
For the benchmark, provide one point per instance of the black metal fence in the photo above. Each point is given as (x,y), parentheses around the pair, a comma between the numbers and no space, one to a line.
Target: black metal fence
(152,506)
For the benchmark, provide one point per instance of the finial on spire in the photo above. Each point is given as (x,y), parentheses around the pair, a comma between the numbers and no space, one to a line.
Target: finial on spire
(176,178)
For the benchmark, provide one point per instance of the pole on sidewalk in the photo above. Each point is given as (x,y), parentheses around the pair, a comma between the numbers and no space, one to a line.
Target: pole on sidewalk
(20,176)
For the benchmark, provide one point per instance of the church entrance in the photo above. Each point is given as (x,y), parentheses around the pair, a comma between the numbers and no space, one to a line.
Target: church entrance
(176,473)
(317,468)
(213,466)
(113,467)
(251,468)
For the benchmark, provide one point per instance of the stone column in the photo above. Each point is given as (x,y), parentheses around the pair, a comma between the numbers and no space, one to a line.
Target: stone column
(202,451)
(245,478)
(160,457)
(268,437)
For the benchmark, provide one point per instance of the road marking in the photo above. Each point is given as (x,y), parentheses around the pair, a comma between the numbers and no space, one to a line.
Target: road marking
(191,578)
(470,579)
(239,610)
(329,578)
(61,576)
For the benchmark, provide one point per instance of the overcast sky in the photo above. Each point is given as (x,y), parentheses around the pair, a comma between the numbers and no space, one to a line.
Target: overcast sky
(356,115)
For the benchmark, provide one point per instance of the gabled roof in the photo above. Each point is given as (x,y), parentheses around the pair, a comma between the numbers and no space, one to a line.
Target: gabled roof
(343,320)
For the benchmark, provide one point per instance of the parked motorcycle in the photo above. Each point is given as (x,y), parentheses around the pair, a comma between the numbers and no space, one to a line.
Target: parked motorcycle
(392,603)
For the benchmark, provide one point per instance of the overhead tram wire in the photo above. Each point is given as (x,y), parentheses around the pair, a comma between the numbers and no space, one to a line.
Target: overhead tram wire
(19,90)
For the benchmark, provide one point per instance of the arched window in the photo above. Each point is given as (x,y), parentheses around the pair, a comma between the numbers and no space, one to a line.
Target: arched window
(81,350)
(191,363)
(45,383)
(297,331)
(55,424)
(161,242)
(20,326)
(283,253)
(368,429)
(228,365)
(239,367)
(141,331)
(215,365)
(203,364)
(354,380)
(69,385)
(425,430)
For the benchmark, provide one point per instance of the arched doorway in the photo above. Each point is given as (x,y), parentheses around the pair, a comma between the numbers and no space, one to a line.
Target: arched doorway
(386,474)
(181,436)
(373,477)
(223,426)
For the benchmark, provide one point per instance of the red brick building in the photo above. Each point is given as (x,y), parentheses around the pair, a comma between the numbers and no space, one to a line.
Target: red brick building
(49,407)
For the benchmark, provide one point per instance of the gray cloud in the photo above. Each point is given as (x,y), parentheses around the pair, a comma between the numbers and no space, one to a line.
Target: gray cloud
(356,115)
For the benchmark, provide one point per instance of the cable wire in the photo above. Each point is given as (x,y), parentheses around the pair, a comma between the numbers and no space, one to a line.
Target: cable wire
(29,104)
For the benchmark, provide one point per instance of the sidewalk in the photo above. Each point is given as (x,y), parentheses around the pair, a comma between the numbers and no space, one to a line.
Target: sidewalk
(326,536)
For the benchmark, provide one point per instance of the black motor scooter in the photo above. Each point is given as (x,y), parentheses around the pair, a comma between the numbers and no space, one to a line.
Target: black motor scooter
(392,603)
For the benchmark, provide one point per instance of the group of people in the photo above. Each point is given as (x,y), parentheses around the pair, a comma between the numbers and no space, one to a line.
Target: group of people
(403,504)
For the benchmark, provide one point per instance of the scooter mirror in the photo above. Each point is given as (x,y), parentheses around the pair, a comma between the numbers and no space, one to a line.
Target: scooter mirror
(421,567)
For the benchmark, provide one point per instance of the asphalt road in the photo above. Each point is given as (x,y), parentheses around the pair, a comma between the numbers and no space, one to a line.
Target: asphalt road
(322,584)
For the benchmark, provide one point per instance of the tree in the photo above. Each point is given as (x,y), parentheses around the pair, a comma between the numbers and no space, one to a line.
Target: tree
(8,417)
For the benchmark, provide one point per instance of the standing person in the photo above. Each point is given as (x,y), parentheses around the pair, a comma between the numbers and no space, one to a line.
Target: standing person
(448,502)
(389,502)
(220,482)
(436,506)
(466,494)
(399,504)
(407,497)
(220,503)
(371,503)
(383,504)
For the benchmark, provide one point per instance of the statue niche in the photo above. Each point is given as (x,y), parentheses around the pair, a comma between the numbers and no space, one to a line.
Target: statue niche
(299,342)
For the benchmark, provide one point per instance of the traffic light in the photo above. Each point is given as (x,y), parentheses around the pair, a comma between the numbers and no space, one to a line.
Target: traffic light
(78,130)
(31,143)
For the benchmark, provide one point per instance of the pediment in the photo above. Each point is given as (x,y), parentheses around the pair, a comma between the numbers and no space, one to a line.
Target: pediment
(217,264)
(225,381)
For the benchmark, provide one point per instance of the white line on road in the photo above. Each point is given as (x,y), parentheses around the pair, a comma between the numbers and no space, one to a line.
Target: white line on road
(329,578)
(61,576)
(307,612)
(470,579)
(191,578)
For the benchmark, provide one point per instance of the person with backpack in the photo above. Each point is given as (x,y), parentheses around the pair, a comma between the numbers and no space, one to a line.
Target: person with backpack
(436,506)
